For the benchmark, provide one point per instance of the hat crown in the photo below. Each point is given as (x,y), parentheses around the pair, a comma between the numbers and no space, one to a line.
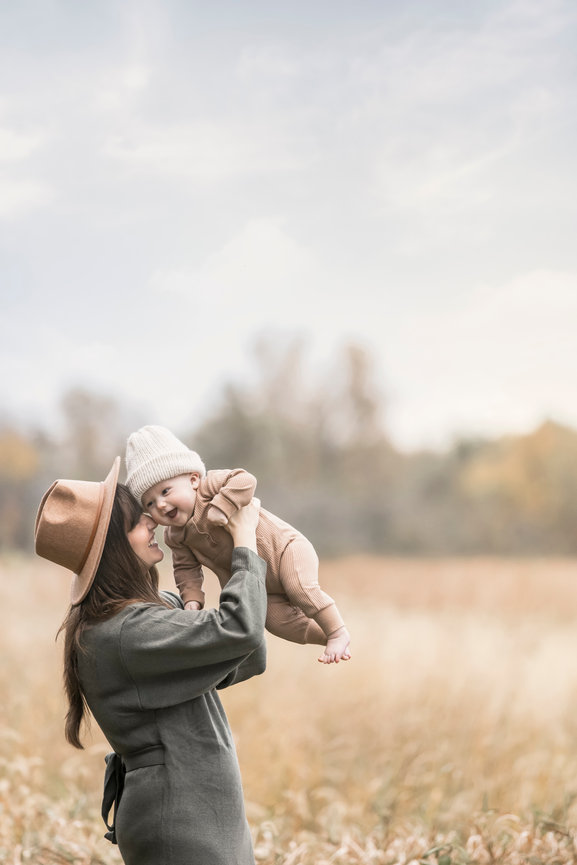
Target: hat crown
(67,520)
(72,525)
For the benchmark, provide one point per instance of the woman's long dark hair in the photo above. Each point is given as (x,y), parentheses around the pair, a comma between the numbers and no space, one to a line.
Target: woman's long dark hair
(121,579)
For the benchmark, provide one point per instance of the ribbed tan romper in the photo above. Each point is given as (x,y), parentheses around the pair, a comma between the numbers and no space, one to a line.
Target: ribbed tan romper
(297,609)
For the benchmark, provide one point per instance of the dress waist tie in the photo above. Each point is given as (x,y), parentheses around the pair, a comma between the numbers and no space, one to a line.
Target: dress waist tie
(116,768)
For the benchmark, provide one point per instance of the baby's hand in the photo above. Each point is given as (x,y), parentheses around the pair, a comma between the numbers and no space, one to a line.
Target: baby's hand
(216,517)
(192,605)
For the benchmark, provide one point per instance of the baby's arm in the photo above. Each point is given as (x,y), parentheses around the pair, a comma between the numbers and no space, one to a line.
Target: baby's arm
(188,574)
(231,490)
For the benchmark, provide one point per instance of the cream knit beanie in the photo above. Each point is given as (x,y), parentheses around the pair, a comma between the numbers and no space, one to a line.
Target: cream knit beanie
(154,454)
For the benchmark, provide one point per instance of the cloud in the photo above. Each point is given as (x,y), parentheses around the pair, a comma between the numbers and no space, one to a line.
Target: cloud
(261,281)
(118,89)
(34,388)
(204,150)
(504,358)
(261,257)
(454,111)
(261,274)
(15,146)
(20,197)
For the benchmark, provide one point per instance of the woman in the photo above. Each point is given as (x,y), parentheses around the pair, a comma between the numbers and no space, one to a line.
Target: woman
(148,671)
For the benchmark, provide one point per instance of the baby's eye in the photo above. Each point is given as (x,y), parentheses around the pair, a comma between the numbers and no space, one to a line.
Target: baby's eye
(148,504)
(165,491)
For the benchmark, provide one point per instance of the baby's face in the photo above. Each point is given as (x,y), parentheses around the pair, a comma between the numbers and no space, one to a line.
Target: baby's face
(171,502)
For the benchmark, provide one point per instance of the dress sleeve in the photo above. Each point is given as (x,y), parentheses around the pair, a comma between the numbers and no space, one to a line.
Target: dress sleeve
(253,665)
(174,655)
(172,598)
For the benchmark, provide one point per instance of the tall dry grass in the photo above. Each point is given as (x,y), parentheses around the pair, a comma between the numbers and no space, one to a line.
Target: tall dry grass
(451,737)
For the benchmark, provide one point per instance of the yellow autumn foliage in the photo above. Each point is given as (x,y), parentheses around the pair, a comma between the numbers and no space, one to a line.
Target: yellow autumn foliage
(530,474)
(18,457)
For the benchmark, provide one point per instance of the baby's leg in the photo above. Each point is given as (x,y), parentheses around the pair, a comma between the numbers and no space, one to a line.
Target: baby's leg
(285,620)
(298,574)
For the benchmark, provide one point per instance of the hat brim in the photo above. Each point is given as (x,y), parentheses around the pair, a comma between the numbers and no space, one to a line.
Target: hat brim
(82,581)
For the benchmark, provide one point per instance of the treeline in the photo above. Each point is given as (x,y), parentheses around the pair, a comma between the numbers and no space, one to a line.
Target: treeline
(320,450)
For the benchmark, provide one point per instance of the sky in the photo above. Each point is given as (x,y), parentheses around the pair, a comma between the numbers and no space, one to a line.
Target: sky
(180,178)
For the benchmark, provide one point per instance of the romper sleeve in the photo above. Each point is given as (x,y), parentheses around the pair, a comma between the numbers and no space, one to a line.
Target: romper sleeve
(173,655)
(187,570)
(230,489)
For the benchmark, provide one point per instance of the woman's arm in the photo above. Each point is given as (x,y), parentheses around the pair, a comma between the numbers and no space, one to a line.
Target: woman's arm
(242,526)
(173,656)
(254,665)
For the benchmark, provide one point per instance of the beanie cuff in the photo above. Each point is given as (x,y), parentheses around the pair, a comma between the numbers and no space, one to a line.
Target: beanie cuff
(162,467)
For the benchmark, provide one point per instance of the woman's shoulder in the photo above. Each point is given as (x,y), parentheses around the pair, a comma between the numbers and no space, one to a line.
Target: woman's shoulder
(114,624)
(143,611)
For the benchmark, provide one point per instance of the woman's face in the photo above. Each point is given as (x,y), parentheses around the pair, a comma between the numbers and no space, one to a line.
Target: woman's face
(141,539)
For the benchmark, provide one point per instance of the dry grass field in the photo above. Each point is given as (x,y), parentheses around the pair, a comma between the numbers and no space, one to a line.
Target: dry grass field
(450,737)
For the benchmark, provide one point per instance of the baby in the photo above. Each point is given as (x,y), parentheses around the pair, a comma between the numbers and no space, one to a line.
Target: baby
(176,490)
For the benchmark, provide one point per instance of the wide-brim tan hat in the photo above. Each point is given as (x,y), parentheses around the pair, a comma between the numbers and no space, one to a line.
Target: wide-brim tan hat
(71,527)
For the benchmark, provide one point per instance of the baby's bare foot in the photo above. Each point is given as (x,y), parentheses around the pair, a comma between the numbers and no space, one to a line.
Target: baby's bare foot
(337,647)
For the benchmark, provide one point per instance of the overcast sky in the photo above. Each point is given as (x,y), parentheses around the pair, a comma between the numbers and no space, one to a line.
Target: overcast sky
(178,176)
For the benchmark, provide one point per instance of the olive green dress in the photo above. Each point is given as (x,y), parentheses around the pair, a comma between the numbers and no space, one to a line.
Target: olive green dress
(150,676)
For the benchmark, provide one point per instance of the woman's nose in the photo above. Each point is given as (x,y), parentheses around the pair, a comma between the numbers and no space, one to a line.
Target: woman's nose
(152,524)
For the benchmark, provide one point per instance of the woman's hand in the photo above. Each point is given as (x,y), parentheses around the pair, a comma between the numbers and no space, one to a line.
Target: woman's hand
(242,525)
